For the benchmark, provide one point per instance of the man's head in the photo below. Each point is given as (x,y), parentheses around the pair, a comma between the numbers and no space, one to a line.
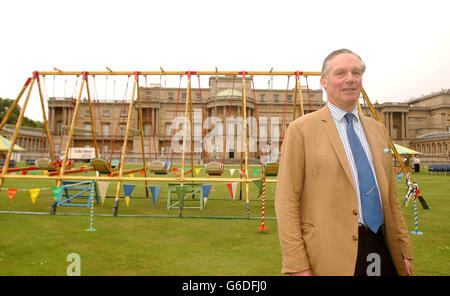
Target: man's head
(342,72)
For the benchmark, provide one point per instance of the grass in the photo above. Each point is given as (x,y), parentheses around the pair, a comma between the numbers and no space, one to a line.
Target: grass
(218,240)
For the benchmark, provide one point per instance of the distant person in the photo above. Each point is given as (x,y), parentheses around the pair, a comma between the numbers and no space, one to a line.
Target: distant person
(336,202)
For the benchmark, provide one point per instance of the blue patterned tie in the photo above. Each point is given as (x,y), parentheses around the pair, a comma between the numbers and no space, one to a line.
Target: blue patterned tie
(370,200)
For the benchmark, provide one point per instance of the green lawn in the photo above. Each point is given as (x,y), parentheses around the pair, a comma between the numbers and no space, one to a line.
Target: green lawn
(218,240)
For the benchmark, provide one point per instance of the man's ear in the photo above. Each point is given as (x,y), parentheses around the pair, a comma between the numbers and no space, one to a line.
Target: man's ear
(323,82)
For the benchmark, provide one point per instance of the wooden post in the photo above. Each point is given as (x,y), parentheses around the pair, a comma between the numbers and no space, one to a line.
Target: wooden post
(298,87)
(391,143)
(141,131)
(244,112)
(188,97)
(125,142)
(14,104)
(72,126)
(16,131)
(47,131)
(91,113)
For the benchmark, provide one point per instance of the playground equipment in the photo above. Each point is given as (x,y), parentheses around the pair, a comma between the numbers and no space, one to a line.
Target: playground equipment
(117,173)
(74,190)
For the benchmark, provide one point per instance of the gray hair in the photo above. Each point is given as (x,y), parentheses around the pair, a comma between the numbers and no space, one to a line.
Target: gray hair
(325,65)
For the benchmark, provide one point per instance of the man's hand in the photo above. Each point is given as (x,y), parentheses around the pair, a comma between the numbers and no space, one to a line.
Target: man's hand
(307,272)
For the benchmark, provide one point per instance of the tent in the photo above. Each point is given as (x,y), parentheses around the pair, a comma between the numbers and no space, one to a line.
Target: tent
(5,144)
(405,151)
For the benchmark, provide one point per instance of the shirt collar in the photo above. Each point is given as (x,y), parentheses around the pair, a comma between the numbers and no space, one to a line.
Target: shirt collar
(338,113)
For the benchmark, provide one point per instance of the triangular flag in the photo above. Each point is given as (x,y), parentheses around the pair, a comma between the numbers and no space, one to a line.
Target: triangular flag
(57,193)
(174,170)
(399,176)
(255,171)
(259,184)
(232,188)
(155,190)
(45,172)
(242,172)
(24,173)
(142,173)
(12,193)
(128,189)
(206,189)
(181,192)
(131,175)
(127,200)
(197,170)
(33,173)
(232,171)
(33,194)
(102,188)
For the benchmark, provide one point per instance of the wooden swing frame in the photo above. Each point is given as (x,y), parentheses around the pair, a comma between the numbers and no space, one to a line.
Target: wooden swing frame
(119,177)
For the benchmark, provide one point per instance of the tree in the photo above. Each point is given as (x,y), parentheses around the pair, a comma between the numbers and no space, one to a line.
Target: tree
(5,104)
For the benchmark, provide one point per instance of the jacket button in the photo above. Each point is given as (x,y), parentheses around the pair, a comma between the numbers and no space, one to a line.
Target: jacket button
(355,238)
(355,212)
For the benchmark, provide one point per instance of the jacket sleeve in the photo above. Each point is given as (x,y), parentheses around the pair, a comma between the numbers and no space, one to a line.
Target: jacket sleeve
(287,201)
(404,238)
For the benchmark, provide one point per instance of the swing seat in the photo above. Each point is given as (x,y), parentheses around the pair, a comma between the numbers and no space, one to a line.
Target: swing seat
(270,169)
(214,168)
(159,167)
(42,163)
(47,164)
(104,167)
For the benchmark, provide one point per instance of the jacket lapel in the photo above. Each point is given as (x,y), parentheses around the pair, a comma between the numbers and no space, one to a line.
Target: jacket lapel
(335,140)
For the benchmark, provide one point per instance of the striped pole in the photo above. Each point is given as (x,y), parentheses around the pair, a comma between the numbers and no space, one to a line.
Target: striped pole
(416,220)
(262,227)
(91,218)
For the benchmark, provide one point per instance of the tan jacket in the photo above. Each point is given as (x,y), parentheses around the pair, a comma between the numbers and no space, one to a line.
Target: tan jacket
(316,203)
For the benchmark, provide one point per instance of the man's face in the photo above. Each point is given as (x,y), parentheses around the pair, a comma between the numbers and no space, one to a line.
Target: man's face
(344,80)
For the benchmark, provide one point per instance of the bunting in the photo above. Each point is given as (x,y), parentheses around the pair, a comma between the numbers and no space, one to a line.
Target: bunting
(155,190)
(232,171)
(232,188)
(197,170)
(102,189)
(57,193)
(255,172)
(399,176)
(34,194)
(127,190)
(206,190)
(259,185)
(142,173)
(12,193)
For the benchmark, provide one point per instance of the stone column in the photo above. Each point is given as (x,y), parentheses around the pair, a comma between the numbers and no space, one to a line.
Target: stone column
(391,124)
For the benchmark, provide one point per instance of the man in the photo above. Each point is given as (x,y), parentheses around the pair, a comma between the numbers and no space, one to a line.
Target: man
(334,219)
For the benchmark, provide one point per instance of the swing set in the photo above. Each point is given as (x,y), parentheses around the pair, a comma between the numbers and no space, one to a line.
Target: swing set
(114,169)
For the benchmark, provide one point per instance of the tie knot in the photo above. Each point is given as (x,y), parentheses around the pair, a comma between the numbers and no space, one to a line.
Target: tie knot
(349,117)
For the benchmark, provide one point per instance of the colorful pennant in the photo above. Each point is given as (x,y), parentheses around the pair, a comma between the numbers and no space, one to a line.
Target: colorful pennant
(102,188)
(34,194)
(232,188)
(206,190)
(12,193)
(127,190)
(155,190)
(57,193)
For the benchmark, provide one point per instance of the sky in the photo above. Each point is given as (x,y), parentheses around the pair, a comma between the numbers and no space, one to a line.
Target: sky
(404,44)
